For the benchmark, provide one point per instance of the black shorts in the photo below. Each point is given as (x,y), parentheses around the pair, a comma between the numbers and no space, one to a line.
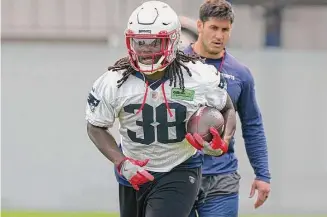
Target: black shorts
(171,194)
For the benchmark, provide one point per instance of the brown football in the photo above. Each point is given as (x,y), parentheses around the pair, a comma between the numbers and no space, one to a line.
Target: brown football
(204,118)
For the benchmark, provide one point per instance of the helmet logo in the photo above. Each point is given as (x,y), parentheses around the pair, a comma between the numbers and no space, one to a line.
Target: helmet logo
(145,31)
(173,36)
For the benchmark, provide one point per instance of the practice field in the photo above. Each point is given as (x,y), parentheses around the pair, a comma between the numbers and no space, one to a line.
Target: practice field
(67,214)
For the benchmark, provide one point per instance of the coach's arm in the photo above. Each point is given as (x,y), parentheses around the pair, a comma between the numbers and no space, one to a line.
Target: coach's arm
(253,129)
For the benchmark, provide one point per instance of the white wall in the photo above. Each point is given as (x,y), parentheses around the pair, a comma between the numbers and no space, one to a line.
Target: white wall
(48,162)
(305,28)
(302,28)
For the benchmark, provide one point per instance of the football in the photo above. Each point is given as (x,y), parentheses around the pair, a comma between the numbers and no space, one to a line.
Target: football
(204,118)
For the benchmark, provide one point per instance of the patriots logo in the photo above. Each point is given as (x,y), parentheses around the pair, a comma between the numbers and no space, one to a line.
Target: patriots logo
(223,83)
(92,101)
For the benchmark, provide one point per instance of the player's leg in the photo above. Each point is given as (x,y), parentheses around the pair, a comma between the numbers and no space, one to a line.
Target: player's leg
(221,197)
(128,203)
(199,199)
(174,193)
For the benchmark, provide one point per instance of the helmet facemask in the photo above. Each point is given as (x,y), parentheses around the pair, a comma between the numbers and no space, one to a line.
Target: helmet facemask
(150,53)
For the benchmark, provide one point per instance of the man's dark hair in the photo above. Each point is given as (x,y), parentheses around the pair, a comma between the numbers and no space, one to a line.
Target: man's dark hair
(219,9)
(172,71)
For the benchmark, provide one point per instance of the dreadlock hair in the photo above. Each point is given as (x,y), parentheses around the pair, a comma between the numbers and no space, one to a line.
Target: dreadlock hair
(172,71)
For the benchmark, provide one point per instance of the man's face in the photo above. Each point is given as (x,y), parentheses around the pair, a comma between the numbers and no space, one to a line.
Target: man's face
(148,50)
(214,34)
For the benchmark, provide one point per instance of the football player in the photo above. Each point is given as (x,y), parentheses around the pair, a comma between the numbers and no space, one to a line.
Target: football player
(153,92)
(220,183)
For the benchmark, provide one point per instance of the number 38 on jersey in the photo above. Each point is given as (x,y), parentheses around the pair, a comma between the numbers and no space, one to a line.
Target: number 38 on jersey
(156,124)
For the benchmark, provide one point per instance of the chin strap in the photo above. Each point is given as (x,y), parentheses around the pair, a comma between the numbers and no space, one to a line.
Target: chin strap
(144,97)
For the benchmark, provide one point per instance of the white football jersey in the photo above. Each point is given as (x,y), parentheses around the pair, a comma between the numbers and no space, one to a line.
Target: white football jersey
(157,131)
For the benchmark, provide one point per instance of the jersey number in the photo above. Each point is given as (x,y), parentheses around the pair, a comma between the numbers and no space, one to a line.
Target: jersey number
(161,121)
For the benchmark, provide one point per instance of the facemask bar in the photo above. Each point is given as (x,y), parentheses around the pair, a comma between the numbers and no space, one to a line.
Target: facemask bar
(166,51)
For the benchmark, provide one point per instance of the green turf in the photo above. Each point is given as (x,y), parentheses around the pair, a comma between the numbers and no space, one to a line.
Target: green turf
(55,214)
(72,214)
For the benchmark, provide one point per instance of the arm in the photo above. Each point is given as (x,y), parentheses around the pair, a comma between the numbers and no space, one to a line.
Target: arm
(100,115)
(106,143)
(230,120)
(217,96)
(253,130)
(129,168)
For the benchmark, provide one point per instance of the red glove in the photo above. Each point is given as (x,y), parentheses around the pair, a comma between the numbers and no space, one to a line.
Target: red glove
(132,170)
(216,147)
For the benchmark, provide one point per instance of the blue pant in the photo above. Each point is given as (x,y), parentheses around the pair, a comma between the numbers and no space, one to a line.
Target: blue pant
(218,196)
(219,206)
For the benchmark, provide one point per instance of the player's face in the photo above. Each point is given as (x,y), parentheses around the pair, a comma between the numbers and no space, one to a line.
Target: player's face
(148,50)
(214,34)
